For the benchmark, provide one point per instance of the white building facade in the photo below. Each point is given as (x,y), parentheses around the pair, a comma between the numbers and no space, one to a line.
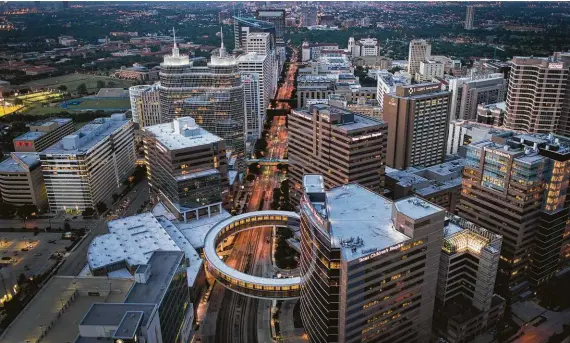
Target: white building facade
(88,166)
(419,51)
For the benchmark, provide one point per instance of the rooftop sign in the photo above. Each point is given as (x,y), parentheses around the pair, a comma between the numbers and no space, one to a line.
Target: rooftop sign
(418,89)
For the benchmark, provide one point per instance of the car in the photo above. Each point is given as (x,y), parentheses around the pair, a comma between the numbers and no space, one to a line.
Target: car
(38,254)
(25,249)
(52,241)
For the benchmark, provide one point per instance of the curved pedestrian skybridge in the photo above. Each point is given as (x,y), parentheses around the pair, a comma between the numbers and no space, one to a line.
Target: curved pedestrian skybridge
(249,285)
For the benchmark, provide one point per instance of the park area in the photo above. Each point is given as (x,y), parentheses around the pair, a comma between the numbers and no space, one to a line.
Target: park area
(72,81)
(96,103)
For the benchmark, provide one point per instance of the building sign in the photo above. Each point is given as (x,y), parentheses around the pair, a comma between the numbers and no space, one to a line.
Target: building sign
(498,152)
(381,252)
(421,89)
(555,65)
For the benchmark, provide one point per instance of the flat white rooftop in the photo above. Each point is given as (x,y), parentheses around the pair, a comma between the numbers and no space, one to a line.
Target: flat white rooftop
(134,239)
(89,135)
(356,213)
(167,135)
(251,57)
(20,162)
(416,208)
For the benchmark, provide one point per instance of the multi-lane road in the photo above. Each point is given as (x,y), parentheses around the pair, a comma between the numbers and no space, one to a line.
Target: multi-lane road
(231,317)
(77,259)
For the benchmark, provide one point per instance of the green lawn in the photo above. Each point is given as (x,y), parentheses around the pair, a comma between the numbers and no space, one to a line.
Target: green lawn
(38,110)
(101,103)
(71,81)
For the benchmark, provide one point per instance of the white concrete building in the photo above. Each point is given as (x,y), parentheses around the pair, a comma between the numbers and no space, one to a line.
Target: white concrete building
(419,51)
(429,69)
(145,105)
(254,113)
(88,166)
(463,132)
(364,47)
(469,92)
(387,83)
(263,66)
(259,42)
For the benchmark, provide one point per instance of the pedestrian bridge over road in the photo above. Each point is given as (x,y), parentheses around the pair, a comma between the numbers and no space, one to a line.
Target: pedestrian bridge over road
(236,281)
(268,161)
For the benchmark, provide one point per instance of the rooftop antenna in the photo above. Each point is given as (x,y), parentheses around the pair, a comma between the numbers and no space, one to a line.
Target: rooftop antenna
(222,49)
(175,51)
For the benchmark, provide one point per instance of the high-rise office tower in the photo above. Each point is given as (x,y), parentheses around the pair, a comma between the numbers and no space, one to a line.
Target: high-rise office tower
(212,95)
(174,84)
(275,17)
(258,42)
(43,134)
(186,167)
(418,119)
(469,18)
(342,145)
(88,166)
(469,92)
(243,26)
(536,94)
(419,51)
(262,65)
(21,180)
(465,305)
(516,186)
(254,110)
(145,104)
(369,266)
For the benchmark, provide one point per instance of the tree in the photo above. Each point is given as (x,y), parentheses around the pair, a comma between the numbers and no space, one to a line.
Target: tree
(101,207)
(111,84)
(82,89)
(62,88)
(7,210)
(26,211)
(100,84)
(88,212)
(254,168)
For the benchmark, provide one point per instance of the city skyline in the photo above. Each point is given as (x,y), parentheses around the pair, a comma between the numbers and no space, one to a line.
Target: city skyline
(264,172)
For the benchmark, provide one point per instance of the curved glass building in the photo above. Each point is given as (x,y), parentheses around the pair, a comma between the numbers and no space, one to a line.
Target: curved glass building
(212,95)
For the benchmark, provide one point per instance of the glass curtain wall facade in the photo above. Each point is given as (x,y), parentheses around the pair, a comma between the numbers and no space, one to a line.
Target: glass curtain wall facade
(517,187)
(212,95)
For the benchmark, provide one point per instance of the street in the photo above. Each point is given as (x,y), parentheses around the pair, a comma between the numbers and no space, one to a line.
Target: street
(229,317)
(77,259)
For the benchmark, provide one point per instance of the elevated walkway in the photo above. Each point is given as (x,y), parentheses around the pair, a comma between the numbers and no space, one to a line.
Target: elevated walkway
(249,285)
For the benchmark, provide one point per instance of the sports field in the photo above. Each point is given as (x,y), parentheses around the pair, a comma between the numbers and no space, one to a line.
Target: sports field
(93,103)
(72,81)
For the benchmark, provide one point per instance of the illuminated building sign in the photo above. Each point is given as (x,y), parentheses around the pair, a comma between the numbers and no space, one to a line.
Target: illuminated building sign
(497,152)
(366,136)
(555,65)
(421,89)
(381,252)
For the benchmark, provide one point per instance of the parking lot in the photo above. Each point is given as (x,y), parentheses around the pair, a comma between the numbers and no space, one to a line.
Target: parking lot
(30,254)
